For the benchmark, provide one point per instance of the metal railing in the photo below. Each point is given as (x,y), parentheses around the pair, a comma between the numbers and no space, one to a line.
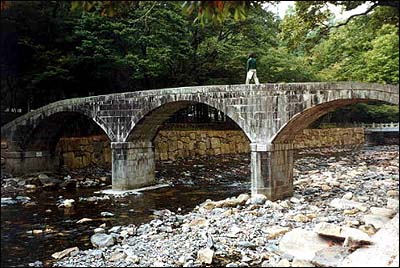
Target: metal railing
(392,126)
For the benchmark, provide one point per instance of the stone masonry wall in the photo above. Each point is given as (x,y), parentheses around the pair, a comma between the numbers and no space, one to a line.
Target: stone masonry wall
(78,152)
(173,144)
(311,138)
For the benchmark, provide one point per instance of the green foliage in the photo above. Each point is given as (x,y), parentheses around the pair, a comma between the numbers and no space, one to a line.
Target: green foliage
(359,52)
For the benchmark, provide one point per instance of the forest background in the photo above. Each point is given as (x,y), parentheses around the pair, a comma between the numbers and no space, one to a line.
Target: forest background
(53,50)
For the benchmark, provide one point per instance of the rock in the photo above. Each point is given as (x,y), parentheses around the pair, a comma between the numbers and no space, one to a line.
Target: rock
(106,214)
(348,196)
(328,229)
(257,199)
(283,263)
(300,218)
(302,243)
(158,264)
(36,264)
(301,263)
(368,229)
(84,220)
(265,264)
(347,204)
(30,186)
(285,204)
(205,256)
(355,235)
(392,193)
(199,222)
(131,256)
(332,230)
(325,187)
(242,198)
(383,252)
(7,201)
(386,212)
(246,259)
(133,259)
(65,252)
(115,229)
(295,200)
(393,204)
(102,240)
(67,203)
(376,220)
(233,231)
(116,256)
(99,231)
(329,257)
(275,231)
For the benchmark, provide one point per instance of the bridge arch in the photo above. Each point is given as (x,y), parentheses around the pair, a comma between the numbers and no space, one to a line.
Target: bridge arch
(32,138)
(306,117)
(19,132)
(149,124)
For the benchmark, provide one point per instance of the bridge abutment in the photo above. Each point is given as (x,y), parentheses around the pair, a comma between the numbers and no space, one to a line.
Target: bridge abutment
(272,173)
(30,161)
(133,165)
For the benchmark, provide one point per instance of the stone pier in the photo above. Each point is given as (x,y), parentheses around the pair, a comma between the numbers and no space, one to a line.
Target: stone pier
(272,172)
(133,165)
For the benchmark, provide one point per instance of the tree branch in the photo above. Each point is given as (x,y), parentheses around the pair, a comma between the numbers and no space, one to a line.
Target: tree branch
(355,15)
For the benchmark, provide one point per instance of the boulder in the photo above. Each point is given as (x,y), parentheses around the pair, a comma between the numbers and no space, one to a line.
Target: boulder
(102,240)
(302,244)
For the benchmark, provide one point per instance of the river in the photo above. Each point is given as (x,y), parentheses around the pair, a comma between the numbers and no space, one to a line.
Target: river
(57,228)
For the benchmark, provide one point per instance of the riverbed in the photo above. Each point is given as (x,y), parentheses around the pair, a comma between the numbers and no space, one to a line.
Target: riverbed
(32,233)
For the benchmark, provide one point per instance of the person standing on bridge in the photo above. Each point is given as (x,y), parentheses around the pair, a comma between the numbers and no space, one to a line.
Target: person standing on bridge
(251,68)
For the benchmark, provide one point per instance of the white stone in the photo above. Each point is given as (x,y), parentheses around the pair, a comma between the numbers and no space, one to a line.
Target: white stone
(393,204)
(65,252)
(205,256)
(376,220)
(348,196)
(283,263)
(302,244)
(275,231)
(348,204)
(386,212)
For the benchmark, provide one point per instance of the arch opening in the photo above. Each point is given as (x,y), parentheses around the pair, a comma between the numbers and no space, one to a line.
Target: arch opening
(69,141)
(188,137)
(316,116)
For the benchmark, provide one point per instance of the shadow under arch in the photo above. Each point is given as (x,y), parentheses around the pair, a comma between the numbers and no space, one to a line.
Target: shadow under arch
(149,125)
(48,131)
(33,141)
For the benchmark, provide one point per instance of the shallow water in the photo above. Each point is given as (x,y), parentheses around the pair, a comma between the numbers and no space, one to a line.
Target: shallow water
(215,180)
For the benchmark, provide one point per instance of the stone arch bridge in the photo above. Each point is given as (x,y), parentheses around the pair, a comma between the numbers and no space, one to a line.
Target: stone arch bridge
(269,114)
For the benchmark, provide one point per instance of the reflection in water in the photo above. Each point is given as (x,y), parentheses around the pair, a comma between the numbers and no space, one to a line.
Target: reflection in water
(34,233)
